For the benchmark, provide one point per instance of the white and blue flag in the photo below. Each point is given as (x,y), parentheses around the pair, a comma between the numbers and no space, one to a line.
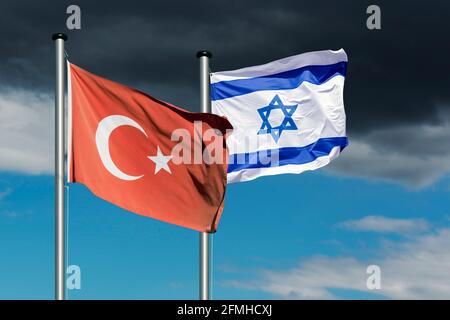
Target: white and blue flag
(288,115)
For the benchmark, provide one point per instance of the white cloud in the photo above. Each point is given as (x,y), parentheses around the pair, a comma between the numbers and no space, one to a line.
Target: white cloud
(26,131)
(415,156)
(416,269)
(385,224)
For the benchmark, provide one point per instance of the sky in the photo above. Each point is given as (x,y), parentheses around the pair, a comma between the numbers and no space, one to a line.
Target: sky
(383,202)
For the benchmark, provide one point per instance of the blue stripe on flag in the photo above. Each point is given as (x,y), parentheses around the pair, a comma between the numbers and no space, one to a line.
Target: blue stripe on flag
(288,155)
(281,81)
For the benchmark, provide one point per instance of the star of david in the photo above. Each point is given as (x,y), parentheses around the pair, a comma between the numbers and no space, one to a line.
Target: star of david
(287,123)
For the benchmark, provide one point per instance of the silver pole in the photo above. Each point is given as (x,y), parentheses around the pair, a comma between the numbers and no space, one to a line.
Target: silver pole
(59,39)
(204,284)
(205,238)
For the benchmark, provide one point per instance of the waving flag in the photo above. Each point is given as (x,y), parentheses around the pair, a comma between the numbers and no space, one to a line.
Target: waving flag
(288,115)
(135,151)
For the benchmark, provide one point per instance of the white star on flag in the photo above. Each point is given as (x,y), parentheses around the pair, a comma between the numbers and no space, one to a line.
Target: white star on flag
(161,161)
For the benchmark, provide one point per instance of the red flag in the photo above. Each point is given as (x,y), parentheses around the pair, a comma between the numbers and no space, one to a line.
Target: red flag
(145,155)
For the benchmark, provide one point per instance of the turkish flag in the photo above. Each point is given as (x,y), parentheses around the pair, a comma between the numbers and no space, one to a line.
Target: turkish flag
(145,155)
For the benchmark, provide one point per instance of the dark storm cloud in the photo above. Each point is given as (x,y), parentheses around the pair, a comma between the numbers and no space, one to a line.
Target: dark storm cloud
(398,77)
(399,74)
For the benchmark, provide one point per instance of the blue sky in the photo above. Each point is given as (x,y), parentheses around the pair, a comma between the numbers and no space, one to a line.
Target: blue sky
(384,201)
(273,224)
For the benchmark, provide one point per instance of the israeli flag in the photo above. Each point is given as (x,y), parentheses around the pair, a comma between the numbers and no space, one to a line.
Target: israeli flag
(288,115)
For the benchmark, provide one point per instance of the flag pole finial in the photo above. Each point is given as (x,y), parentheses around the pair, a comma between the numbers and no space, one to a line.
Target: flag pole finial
(204,53)
(56,36)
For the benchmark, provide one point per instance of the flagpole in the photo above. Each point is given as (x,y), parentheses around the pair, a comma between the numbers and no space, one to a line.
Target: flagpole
(59,39)
(205,238)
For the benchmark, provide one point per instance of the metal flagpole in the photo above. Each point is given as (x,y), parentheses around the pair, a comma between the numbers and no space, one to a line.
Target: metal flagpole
(59,39)
(205,238)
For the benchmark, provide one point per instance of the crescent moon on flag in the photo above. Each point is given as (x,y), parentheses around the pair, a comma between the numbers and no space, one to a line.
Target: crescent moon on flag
(104,130)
